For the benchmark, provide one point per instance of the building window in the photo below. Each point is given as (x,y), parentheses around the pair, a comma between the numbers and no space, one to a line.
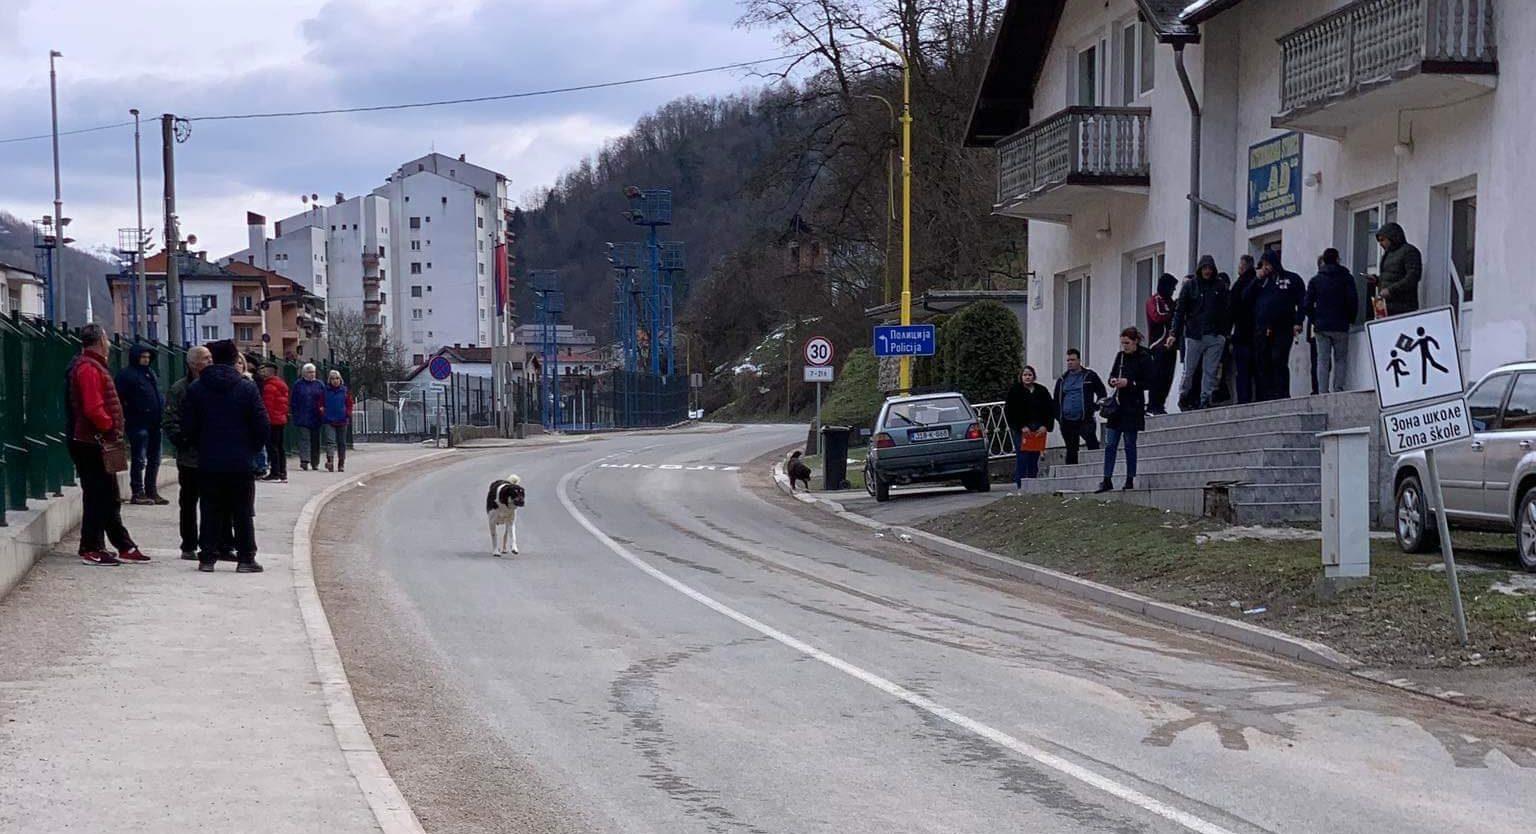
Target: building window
(1146,268)
(415,246)
(1137,59)
(482,289)
(418,359)
(1072,310)
(415,291)
(415,267)
(210,302)
(416,314)
(1090,82)
(383,297)
(482,314)
(245,333)
(1463,245)
(482,270)
(429,264)
(1365,219)
(445,201)
(210,332)
(415,222)
(381,252)
(481,245)
(480,222)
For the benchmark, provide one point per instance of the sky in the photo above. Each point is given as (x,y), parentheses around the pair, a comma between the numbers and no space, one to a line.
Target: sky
(227,57)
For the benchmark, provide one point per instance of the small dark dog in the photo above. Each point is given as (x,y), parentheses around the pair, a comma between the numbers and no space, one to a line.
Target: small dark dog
(798,471)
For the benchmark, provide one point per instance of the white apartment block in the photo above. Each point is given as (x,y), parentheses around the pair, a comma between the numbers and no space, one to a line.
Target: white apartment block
(1321,120)
(298,252)
(449,219)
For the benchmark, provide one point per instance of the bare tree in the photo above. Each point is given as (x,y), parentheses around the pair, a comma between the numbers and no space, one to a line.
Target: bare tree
(347,333)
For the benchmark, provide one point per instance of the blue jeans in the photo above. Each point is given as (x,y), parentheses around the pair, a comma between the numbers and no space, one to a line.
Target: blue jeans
(1111,444)
(1026,465)
(144,473)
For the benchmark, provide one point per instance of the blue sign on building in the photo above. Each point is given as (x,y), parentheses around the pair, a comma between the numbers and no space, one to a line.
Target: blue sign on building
(904,340)
(1274,179)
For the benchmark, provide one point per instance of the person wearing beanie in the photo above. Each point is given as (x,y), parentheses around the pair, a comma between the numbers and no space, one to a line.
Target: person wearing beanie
(227,421)
(1203,320)
(1164,356)
(1278,298)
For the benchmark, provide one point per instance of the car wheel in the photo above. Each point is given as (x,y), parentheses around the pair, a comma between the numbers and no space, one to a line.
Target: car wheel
(869,480)
(882,489)
(1415,525)
(1526,530)
(979,481)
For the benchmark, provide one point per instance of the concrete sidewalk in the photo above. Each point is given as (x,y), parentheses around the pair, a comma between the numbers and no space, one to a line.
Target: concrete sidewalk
(153,698)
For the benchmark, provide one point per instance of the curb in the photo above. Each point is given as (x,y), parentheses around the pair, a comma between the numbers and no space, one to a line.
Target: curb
(1252,636)
(390,808)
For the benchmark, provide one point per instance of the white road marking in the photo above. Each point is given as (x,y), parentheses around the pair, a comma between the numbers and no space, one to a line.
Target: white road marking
(671,467)
(1029,751)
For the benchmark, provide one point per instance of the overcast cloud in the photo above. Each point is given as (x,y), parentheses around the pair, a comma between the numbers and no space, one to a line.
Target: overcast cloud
(227,57)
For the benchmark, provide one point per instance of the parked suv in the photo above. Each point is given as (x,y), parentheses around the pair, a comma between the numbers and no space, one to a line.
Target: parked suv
(1489,483)
(926,439)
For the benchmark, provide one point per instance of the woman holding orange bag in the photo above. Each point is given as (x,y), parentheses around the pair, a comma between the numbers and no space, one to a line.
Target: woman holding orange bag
(1031,416)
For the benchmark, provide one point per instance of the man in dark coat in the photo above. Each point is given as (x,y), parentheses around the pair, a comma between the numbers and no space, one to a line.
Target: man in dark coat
(1332,305)
(1278,297)
(227,420)
(1242,329)
(138,389)
(1078,394)
(1402,267)
(1203,319)
(189,495)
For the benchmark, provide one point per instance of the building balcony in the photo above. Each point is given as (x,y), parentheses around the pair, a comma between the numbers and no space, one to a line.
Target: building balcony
(244,316)
(1071,160)
(1373,58)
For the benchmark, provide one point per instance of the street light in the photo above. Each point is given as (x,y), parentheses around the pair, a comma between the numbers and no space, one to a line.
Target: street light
(906,201)
(140,291)
(57,272)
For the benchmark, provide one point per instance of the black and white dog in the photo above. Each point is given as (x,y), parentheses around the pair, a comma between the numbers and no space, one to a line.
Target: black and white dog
(501,505)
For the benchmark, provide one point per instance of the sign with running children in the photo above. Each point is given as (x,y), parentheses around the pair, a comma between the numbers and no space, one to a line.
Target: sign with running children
(1418,380)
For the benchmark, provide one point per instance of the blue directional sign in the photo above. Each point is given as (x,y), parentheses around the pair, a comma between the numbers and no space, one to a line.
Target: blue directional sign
(904,340)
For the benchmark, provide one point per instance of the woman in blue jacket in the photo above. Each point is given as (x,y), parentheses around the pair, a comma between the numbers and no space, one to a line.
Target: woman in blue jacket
(306,402)
(336,411)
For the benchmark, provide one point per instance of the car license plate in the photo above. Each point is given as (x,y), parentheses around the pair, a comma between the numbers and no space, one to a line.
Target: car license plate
(929,434)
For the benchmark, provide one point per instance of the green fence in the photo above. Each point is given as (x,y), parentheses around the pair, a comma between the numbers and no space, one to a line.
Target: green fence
(34,457)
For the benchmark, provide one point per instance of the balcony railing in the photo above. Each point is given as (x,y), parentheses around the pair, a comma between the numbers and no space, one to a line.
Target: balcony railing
(1371,42)
(1085,145)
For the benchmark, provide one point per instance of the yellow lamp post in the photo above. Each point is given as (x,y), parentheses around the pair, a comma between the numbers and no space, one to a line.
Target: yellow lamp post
(906,203)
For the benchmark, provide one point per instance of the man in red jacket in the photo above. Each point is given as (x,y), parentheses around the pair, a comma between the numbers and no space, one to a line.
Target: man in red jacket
(96,417)
(274,395)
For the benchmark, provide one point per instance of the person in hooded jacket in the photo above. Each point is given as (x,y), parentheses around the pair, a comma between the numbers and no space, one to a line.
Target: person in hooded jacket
(336,412)
(1402,267)
(307,401)
(1242,330)
(1278,298)
(1165,357)
(1203,319)
(1332,305)
(138,389)
(225,417)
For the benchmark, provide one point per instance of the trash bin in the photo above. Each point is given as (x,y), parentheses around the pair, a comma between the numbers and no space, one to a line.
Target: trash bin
(834,460)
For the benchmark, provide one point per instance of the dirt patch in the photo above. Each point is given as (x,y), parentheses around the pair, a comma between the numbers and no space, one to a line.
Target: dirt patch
(1398,619)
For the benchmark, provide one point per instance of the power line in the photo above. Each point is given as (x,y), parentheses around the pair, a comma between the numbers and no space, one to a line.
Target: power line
(423,104)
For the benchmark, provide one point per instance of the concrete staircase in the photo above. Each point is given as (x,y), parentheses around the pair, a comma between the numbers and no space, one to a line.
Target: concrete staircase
(1248,464)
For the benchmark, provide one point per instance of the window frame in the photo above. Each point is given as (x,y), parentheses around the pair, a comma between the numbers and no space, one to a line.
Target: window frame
(1509,397)
(1508,378)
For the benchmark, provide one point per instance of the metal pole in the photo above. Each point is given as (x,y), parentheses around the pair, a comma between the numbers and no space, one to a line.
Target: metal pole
(1445,544)
(173,323)
(140,290)
(817,444)
(906,214)
(56,283)
(1194,156)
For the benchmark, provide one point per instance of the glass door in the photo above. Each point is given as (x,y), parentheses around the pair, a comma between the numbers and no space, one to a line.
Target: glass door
(1463,259)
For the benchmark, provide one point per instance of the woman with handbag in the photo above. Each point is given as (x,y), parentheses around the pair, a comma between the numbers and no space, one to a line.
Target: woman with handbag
(1031,416)
(1125,411)
(95,420)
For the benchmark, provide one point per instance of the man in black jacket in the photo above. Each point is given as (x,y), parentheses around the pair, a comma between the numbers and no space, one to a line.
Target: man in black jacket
(1332,305)
(138,389)
(1278,297)
(1402,267)
(227,420)
(1203,319)
(1242,329)
(189,497)
(1077,396)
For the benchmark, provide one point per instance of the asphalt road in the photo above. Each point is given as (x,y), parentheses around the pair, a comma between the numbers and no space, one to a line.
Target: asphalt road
(680,649)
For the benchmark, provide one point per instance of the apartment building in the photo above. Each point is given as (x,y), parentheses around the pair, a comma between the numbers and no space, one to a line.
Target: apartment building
(21,291)
(1319,122)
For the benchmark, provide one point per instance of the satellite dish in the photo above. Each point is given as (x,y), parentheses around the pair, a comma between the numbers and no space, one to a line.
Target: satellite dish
(304,198)
(191,240)
(315,197)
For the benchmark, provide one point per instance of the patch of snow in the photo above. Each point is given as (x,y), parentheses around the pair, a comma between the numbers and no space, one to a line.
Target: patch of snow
(1517,585)
(1268,534)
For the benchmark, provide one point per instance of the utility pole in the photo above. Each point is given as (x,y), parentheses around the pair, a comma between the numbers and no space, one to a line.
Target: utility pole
(56,278)
(140,291)
(173,322)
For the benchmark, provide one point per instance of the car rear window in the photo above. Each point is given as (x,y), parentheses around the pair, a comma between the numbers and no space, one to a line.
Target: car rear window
(928,412)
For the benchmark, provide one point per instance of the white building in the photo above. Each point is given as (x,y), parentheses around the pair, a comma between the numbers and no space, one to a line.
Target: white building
(449,216)
(21,291)
(1378,111)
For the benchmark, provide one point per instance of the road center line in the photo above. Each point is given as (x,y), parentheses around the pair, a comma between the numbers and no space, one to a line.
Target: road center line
(1043,757)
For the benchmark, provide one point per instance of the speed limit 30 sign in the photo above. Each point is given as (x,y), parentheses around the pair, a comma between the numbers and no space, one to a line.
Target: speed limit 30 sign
(818,351)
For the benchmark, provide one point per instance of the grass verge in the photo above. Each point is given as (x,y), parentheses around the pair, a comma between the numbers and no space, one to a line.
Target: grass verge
(855,470)
(1399,617)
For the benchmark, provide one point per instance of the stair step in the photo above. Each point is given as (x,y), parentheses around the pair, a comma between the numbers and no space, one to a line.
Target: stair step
(1154,444)
(1161,461)
(1362,401)
(1158,431)
(1277,475)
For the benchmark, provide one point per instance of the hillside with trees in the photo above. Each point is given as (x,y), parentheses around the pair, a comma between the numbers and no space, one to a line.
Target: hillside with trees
(788,198)
(82,270)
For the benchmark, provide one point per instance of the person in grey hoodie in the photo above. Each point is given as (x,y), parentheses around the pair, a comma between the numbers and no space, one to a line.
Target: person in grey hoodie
(1402,267)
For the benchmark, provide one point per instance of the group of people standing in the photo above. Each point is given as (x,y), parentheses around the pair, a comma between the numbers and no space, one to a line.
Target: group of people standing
(1248,327)
(228,431)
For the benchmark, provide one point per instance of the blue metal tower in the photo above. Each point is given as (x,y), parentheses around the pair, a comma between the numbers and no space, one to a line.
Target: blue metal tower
(549,304)
(652,208)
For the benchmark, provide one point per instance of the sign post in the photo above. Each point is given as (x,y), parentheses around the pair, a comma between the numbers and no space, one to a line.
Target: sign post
(818,369)
(1423,406)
